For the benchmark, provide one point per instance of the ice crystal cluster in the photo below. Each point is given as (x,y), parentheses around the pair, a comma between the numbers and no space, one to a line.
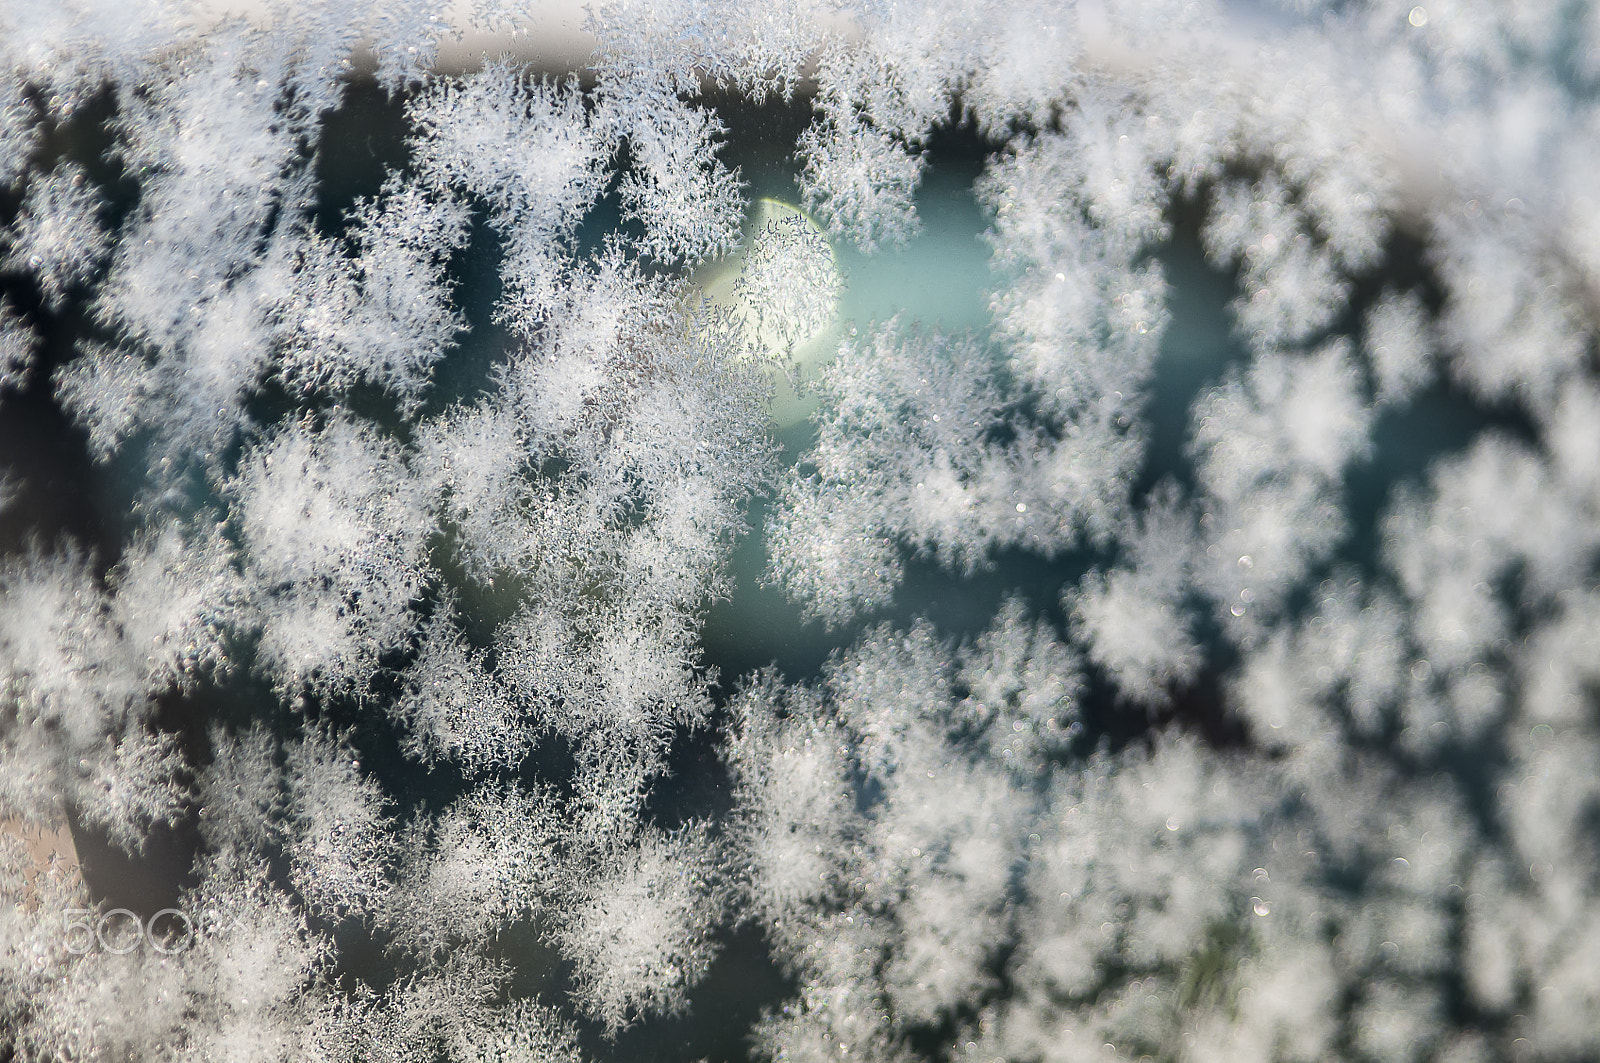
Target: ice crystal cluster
(1296,756)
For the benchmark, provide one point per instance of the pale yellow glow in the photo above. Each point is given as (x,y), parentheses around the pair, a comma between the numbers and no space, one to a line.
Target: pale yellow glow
(783,287)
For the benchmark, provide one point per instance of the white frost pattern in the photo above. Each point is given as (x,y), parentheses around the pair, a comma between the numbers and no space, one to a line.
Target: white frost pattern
(1287,750)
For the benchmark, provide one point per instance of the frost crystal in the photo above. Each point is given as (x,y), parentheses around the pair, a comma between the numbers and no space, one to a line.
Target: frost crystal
(1206,667)
(58,238)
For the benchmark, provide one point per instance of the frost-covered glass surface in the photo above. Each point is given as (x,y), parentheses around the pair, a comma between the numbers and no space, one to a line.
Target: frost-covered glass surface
(927,531)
